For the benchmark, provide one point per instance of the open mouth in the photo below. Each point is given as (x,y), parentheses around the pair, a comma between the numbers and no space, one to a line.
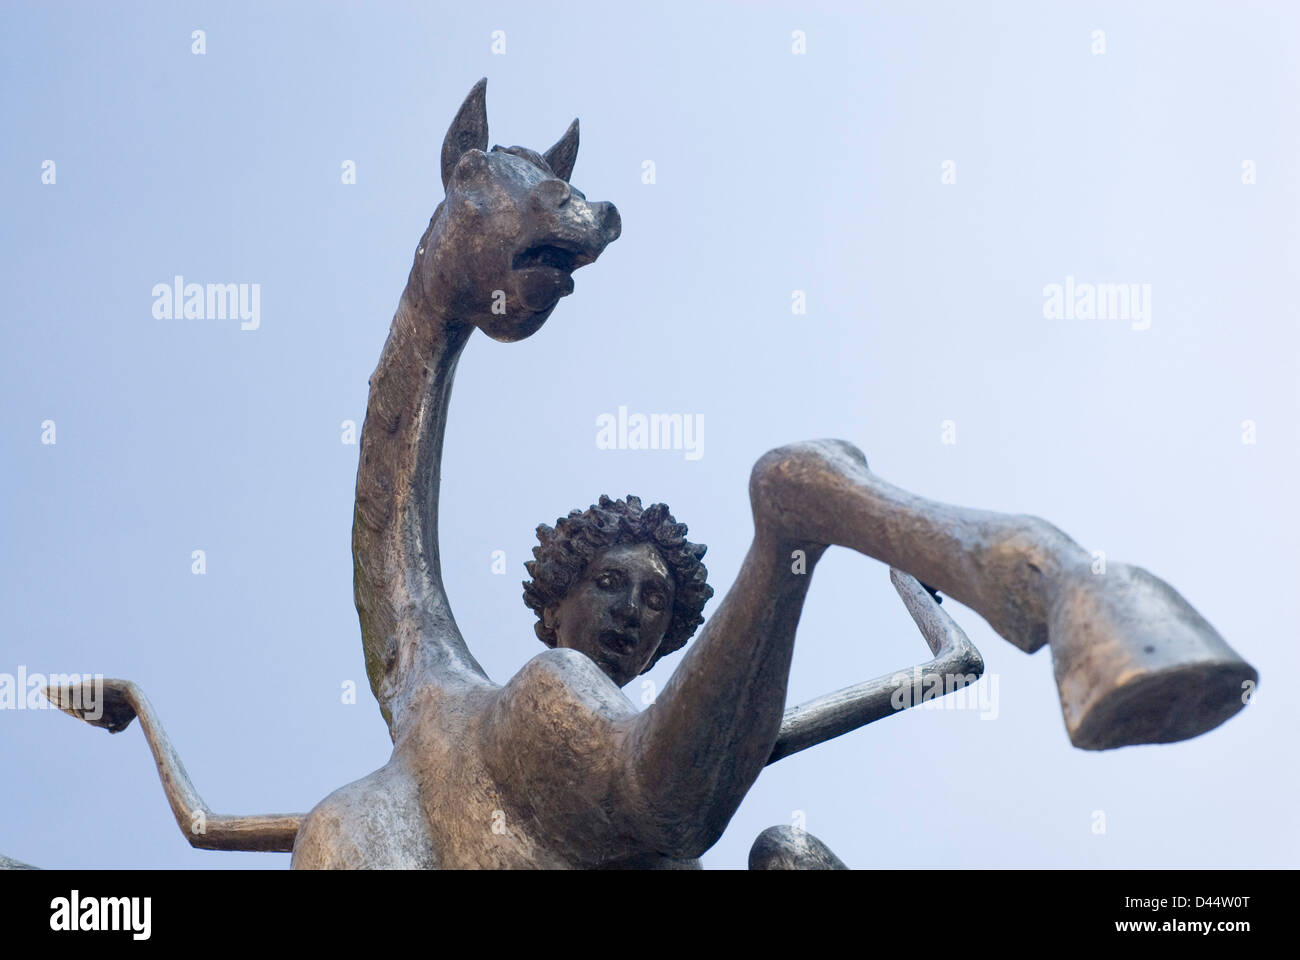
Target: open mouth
(616,642)
(557,256)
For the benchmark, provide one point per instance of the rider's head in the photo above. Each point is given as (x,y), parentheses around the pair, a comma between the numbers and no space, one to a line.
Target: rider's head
(621,584)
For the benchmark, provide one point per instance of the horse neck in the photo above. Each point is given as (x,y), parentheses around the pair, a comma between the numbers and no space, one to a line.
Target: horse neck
(408,631)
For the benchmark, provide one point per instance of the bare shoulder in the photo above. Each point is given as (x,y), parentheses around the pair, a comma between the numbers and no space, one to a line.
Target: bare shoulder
(567,687)
(370,824)
(557,731)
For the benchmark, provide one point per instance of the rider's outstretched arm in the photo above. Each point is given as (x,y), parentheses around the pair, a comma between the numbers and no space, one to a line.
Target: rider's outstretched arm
(956,664)
(113,707)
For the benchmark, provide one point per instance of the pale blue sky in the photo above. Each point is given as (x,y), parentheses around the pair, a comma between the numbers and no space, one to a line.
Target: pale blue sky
(774,172)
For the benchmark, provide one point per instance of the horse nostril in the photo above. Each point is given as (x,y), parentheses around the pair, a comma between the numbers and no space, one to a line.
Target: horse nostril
(611,224)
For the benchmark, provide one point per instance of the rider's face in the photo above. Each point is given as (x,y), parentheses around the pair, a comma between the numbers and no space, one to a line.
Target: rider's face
(618,612)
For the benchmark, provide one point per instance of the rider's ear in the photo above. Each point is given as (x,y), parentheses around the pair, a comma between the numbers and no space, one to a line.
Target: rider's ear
(551,617)
(561,157)
(469,131)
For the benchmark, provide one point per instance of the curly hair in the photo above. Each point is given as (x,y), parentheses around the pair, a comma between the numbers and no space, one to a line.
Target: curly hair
(565,550)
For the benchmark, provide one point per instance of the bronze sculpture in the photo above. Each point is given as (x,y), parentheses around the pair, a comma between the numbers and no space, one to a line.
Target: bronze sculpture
(556,768)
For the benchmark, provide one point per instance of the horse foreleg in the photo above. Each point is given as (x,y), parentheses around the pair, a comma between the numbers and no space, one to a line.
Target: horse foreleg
(1134,662)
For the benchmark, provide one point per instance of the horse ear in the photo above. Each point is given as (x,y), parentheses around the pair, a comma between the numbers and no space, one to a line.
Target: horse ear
(469,131)
(562,156)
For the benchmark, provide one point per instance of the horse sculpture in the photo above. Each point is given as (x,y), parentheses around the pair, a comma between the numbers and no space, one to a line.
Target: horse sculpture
(557,768)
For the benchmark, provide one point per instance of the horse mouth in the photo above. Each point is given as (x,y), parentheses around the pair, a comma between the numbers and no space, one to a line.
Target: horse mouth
(557,256)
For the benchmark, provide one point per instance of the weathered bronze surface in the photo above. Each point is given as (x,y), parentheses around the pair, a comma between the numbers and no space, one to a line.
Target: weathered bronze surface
(557,768)
(790,848)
